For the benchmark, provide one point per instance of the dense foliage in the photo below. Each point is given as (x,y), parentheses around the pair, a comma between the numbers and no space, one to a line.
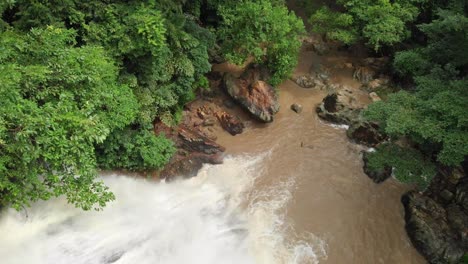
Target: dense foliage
(81,83)
(263,31)
(433,114)
(377,23)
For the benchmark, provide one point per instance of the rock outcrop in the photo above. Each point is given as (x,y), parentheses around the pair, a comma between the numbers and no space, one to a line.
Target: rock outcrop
(339,108)
(230,123)
(431,229)
(253,93)
(193,150)
(437,220)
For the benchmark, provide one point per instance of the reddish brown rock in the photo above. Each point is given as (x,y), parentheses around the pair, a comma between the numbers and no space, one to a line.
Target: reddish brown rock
(194,149)
(230,123)
(254,94)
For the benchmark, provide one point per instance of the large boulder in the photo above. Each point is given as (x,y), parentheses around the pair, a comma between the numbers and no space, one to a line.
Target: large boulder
(253,93)
(339,107)
(428,227)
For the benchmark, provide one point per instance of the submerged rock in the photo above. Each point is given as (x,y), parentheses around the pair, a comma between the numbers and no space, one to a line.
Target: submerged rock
(254,94)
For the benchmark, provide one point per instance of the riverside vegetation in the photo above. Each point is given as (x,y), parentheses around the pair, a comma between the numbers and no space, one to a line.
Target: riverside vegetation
(82,82)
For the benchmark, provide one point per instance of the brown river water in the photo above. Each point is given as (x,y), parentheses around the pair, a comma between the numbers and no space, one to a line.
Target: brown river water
(359,221)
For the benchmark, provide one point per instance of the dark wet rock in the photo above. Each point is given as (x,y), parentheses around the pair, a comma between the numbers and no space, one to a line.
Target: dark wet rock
(189,166)
(195,146)
(254,94)
(377,176)
(446,195)
(461,194)
(458,220)
(296,108)
(365,133)
(230,123)
(192,141)
(428,227)
(338,108)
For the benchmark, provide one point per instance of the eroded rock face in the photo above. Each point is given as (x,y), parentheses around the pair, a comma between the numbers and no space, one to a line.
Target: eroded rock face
(428,227)
(193,141)
(193,150)
(254,94)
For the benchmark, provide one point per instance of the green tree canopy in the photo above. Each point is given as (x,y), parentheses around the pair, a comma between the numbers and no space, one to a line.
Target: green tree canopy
(376,22)
(433,114)
(266,32)
(57,102)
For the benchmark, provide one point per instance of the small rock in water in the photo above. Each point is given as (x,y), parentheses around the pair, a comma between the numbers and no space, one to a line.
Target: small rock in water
(296,108)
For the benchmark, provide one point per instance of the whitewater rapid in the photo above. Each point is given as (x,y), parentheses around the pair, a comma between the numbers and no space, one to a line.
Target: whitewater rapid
(220,216)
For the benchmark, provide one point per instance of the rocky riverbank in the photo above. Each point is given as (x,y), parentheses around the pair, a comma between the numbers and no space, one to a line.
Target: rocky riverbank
(436,219)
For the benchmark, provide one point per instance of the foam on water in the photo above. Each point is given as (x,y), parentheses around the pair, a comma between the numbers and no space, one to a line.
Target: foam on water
(216,217)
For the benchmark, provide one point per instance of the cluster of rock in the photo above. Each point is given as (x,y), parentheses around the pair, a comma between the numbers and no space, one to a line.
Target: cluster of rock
(437,220)
(342,107)
(195,136)
(317,78)
(253,93)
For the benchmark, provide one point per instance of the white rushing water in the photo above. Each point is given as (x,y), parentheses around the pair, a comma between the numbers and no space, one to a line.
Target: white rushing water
(216,217)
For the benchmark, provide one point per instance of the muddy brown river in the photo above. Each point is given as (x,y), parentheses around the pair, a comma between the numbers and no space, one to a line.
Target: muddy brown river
(332,198)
